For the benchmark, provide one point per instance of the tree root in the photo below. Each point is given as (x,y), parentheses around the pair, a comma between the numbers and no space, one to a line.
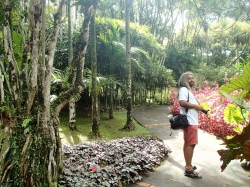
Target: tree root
(93,135)
(5,171)
(128,127)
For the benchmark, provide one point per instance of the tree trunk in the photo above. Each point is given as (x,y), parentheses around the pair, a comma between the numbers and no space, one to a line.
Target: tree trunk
(34,154)
(1,86)
(76,74)
(94,91)
(111,101)
(129,125)
(72,115)
(72,107)
(106,98)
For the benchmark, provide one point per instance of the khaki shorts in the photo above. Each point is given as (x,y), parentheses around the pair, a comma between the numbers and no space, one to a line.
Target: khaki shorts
(191,134)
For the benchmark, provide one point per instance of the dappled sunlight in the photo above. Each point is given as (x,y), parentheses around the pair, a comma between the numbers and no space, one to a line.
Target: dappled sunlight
(69,139)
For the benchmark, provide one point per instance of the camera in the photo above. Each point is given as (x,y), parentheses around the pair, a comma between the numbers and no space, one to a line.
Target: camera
(205,111)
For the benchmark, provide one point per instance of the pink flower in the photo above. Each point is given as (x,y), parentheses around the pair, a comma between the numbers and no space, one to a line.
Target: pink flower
(94,168)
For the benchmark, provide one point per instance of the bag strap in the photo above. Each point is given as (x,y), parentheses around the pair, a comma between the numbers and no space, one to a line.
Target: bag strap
(187,101)
(186,112)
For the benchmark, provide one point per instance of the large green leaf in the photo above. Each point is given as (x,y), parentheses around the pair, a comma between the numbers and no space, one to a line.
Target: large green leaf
(232,115)
(238,100)
(242,82)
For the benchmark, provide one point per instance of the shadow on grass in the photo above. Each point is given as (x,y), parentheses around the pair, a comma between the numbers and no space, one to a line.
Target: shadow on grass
(109,128)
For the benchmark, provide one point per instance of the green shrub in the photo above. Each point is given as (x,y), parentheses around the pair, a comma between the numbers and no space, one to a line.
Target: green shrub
(214,74)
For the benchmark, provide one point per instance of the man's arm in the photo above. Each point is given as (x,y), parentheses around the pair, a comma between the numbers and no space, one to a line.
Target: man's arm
(186,104)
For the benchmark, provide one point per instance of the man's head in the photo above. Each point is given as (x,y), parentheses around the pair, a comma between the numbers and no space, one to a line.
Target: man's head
(186,80)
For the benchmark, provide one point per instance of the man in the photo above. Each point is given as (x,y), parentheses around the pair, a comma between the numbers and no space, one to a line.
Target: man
(189,106)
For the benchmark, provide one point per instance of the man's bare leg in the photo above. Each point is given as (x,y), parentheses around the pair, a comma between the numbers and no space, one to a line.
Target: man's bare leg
(188,155)
(188,151)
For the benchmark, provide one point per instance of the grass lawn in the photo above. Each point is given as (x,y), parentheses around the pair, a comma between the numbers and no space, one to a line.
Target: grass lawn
(109,128)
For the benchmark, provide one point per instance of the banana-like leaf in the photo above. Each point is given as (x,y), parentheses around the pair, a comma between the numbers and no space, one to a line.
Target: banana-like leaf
(242,82)
(235,144)
(238,100)
(238,130)
(232,115)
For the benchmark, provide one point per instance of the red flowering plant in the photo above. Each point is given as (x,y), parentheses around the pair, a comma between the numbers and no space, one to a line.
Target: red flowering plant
(210,99)
(229,114)
(174,103)
(214,122)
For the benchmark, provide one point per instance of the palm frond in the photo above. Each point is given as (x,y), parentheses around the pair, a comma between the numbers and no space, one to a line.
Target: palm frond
(135,63)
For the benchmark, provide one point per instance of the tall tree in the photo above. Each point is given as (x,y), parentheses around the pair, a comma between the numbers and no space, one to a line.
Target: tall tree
(111,42)
(129,124)
(94,91)
(72,109)
(33,157)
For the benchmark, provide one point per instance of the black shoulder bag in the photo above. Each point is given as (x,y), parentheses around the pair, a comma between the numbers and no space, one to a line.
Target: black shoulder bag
(179,121)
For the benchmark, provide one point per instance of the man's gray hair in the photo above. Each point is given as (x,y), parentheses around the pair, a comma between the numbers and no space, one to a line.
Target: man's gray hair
(183,82)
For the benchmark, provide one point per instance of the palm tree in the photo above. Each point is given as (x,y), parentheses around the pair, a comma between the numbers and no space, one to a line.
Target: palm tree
(115,51)
(94,92)
(110,44)
(72,109)
(129,124)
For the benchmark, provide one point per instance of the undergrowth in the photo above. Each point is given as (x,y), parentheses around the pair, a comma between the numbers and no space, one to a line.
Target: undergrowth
(111,163)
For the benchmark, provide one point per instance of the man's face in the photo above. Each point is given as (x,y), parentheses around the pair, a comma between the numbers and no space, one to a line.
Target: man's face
(190,80)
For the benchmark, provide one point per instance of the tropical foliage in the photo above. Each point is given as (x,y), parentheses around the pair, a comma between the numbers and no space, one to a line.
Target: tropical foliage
(146,68)
(33,156)
(238,91)
(210,38)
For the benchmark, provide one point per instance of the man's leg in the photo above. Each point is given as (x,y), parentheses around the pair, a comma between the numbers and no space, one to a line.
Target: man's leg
(188,155)
(184,151)
(190,140)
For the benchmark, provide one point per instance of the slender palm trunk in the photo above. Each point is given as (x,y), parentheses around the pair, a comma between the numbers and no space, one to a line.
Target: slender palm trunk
(94,90)
(1,87)
(111,102)
(129,125)
(72,108)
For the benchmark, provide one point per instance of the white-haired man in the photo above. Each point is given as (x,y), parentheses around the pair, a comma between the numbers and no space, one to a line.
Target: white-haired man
(189,106)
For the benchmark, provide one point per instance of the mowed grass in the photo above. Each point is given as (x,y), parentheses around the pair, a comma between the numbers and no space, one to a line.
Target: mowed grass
(109,128)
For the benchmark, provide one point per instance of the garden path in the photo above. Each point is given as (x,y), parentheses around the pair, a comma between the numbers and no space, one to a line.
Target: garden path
(206,158)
